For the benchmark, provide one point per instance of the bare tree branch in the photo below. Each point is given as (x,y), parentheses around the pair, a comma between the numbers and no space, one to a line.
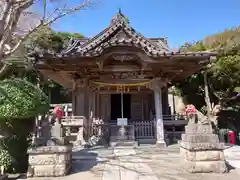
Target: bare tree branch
(42,24)
(9,20)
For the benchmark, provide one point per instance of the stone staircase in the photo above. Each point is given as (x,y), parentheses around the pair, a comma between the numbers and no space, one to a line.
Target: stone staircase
(122,137)
(124,144)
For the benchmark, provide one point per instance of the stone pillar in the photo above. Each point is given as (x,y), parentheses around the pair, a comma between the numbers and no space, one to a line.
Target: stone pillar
(159,116)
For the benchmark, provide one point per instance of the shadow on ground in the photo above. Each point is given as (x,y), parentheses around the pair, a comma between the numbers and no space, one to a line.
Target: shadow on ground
(230,167)
(84,160)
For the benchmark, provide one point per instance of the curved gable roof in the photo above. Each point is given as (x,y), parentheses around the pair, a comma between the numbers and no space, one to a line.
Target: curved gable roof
(119,33)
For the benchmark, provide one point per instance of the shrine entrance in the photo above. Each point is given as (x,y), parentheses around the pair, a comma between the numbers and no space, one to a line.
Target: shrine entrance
(118,104)
(119,59)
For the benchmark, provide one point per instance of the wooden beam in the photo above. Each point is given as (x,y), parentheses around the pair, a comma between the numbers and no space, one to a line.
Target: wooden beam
(58,77)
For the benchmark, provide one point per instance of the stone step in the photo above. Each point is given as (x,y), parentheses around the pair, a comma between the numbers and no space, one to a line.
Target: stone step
(86,158)
(123,144)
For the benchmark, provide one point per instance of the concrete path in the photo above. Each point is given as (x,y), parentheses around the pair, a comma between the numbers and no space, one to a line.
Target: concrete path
(143,163)
(232,155)
(126,166)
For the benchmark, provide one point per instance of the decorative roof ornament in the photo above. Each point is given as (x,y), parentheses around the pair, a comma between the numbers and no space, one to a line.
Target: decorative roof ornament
(119,17)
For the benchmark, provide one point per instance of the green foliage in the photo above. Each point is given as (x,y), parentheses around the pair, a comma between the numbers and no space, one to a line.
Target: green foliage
(16,143)
(223,76)
(46,39)
(6,160)
(225,72)
(50,40)
(20,99)
(193,47)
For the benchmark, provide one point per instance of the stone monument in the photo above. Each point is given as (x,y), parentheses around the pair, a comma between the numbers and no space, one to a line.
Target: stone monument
(53,156)
(200,147)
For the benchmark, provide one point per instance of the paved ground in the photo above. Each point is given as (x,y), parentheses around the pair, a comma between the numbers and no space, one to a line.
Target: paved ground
(145,163)
(233,156)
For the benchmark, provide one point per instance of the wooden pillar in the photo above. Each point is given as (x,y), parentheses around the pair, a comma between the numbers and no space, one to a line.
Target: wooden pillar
(74,102)
(97,104)
(143,109)
(94,104)
(82,102)
(90,104)
(159,114)
(173,101)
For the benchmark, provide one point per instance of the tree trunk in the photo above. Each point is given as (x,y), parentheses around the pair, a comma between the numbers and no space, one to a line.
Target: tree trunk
(207,97)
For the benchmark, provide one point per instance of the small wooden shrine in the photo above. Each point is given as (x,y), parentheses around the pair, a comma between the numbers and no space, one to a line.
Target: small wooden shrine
(119,73)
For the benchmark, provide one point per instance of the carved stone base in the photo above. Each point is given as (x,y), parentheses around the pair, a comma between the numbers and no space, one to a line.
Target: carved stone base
(161,144)
(201,150)
(49,161)
(205,166)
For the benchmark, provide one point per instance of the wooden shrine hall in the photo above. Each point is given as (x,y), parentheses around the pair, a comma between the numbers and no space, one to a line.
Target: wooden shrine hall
(119,73)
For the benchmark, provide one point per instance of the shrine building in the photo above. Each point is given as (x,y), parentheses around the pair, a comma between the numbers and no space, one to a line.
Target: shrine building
(119,73)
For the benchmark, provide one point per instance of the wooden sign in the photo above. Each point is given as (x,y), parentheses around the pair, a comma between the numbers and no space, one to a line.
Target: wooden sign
(122,121)
(123,89)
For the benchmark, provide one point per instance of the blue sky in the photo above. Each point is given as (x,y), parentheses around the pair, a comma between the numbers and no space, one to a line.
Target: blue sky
(179,20)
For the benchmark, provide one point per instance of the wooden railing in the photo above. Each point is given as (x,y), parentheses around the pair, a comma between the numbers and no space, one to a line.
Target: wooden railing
(173,124)
(144,129)
(174,127)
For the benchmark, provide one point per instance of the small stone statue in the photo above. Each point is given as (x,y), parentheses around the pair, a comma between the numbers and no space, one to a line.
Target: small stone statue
(57,134)
(195,116)
(201,119)
(34,140)
(45,128)
(190,111)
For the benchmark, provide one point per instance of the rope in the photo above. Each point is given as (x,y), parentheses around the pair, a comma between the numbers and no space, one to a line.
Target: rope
(123,85)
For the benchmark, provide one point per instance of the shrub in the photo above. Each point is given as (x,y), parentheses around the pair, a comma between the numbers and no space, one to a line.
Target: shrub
(21,99)
(20,103)
(6,160)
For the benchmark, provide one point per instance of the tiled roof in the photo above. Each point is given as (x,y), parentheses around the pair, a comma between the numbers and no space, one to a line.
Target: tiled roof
(119,33)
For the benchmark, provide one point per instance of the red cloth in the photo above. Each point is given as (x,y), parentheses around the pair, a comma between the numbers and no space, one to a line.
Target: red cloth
(232,137)
(190,109)
(58,110)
